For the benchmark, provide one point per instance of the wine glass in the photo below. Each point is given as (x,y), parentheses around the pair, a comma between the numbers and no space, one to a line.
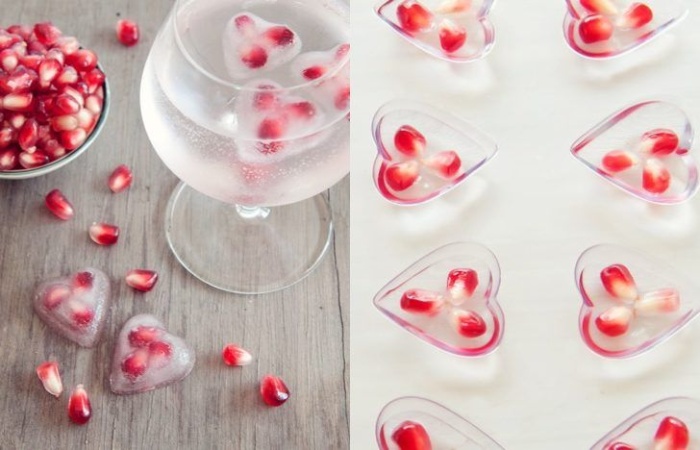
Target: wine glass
(253,146)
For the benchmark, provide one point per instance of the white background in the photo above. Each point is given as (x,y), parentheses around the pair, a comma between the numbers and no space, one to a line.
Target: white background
(537,209)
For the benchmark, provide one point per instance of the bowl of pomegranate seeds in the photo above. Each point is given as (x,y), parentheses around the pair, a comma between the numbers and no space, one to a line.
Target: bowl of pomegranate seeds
(54,100)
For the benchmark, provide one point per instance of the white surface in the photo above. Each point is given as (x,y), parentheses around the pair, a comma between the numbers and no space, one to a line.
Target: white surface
(537,208)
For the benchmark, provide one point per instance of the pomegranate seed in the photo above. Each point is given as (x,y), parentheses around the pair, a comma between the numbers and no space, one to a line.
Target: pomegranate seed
(83,280)
(54,150)
(244,23)
(419,301)
(127,32)
(48,70)
(600,6)
(409,141)
(402,176)
(452,36)
(143,336)
(77,96)
(659,142)
(22,30)
(462,283)
(656,178)
(31,61)
(272,128)
(160,349)
(83,60)
(28,135)
(269,148)
(635,16)
(660,301)
(65,104)
(614,321)
(19,49)
(254,56)
(618,281)
(7,135)
(454,6)
(120,179)
(313,72)
(46,33)
(79,408)
(135,365)
(19,80)
(72,139)
(141,279)
(16,120)
(59,205)
(94,79)
(445,164)
(234,355)
(94,104)
(301,110)
(410,435)
(620,446)
(342,51)
(67,76)
(9,59)
(86,120)
(595,28)
(672,434)
(468,323)
(81,315)
(104,234)
(342,97)
(273,391)
(67,45)
(18,102)
(56,55)
(264,100)
(279,36)
(9,159)
(33,160)
(50,377)
(56,295)
(618,160)
(413,17)
(7,39)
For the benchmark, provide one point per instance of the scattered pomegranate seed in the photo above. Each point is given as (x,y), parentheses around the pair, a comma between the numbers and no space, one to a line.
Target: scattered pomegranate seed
(636,15)
(672,434)
(127,32)
(59,205)
(462,283)
(104,234)
(410,435)
(618,160)
(454,6)
(143,336)
(656,178)
(273,390)
(56,295)
(420,301)
(595,28)
(120,179)
(254,56)
(659,142)
(141,279)
(234,355)
(468,323)
(614,321)
(50,377)
(414,17)
(135,365)
(666,300)
(600,6)
(279,36)
(79,409)
(401,176)
(618,281)
(409,141)
(446,164)
(452,36)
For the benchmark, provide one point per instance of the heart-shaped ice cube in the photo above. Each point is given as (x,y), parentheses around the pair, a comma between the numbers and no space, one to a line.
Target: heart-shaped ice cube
(607,28)
(421,424)
(332,70)
(75,306)
(448,299)
(147,356)
(456,30)
(644,150)
(423,152)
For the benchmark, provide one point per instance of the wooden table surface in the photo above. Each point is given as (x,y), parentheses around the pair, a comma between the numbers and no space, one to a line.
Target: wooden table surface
(299,334)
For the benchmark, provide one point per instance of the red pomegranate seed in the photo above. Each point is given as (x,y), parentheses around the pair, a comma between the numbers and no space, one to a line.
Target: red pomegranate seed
(659,142)
(79,408)
(7,135)
(23,31)
(31,61)
(636,15)
(64,123)
(254,56)
(279,36)
(599,6)
(301,110)
(67,76)
(56,55)
(420,301)
(272,128)
(59,205)
(234,355)
(410,435)
(342,51)
(595,28)
(141,279)
(656,178)
(120,179)
(127,32)
(342,97)
(462,283)
(9,59)
(265,99)
(81,315)
(56,295)
(83,60)
(143,336)
(54,150)
(72,139)
(94,79)
(618,281)
(28,135)
(19,49)
(9,159)
(48,70)
(313,72)
(86,120)
(19,80)
(67,45)
(77,96)
(401,176)
(452,36)
(618,160)
(135,365)
(160,349)
(7,39)
(409,141)
(662,301)
(50,377)
(18,102)
(672,434)
(65,104)
(414,17)
(614,321)
(93,103)
(16,120)
(620,446)
(273,391)
(104,234)
(244,23)
(468,323)
(446,164)
(33,160)
(46,33)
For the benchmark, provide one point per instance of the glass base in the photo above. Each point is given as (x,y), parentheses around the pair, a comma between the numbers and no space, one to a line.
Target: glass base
(247,250)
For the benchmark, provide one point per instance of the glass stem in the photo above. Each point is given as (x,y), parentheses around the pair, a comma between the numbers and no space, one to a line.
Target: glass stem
(252,212)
